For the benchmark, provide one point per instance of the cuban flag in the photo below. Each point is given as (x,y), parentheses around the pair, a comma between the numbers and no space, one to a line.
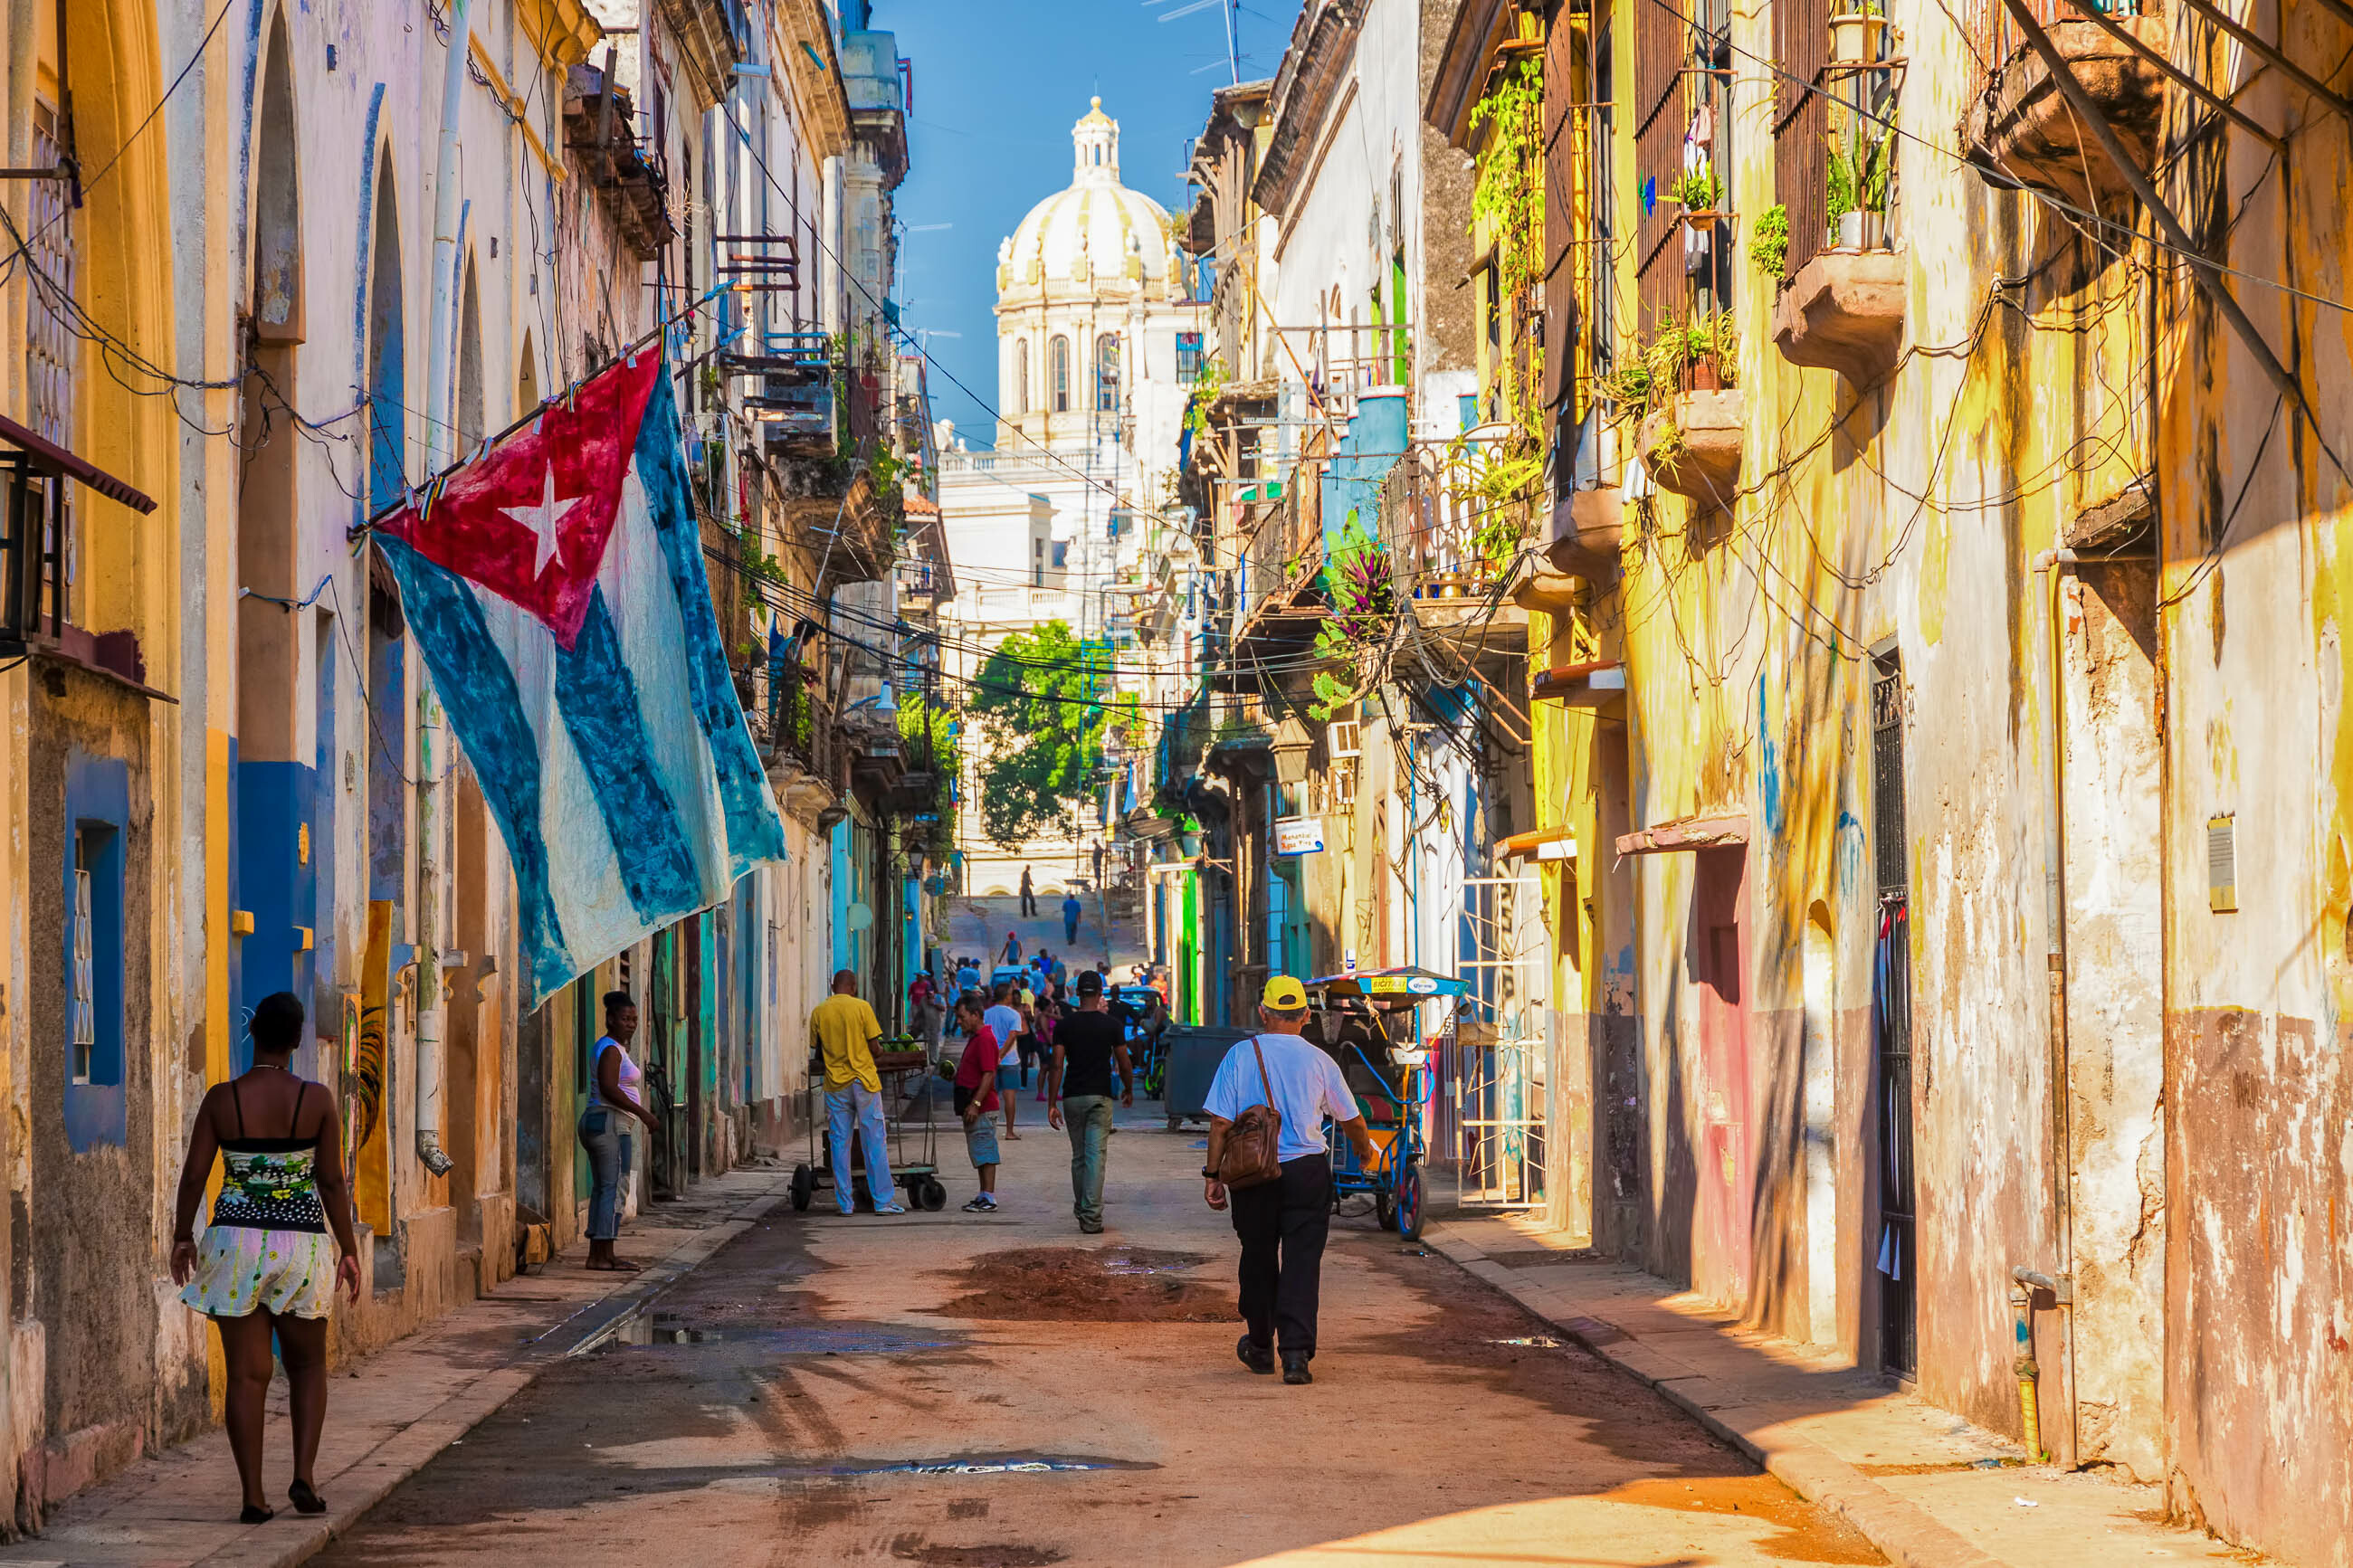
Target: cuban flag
(556,588)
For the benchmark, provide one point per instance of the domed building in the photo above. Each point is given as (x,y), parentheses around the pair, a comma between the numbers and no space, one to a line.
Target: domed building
(1091,293)
(1098,344)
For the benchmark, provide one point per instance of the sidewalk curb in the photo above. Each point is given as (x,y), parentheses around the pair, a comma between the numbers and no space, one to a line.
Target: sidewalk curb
(1904,1532)
(372,1478)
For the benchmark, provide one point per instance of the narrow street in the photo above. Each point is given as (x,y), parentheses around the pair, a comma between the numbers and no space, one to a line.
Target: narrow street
(986,1393)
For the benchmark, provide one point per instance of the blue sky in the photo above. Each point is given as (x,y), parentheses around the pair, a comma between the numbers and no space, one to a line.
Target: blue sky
(997,85)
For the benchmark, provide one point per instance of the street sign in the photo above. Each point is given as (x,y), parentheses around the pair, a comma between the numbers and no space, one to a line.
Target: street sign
(1298,835)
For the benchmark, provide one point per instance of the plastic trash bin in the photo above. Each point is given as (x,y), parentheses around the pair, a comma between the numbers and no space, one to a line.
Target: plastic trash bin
(1194,1052)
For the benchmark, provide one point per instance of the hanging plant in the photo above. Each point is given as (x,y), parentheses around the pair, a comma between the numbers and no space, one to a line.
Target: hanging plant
(1509,199)
(1363,594)
(1769,242)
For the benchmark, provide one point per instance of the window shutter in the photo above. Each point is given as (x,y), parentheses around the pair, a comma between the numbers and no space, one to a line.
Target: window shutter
(1801,125)
(1662,116)
(1564,87)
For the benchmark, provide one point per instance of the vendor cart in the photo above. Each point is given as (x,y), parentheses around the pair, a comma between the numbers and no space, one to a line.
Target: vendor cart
(913,1143)
(1368,1022)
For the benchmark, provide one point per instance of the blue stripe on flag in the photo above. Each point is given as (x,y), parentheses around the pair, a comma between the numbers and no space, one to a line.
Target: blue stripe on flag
(755,832)
(471,675)
(598,697)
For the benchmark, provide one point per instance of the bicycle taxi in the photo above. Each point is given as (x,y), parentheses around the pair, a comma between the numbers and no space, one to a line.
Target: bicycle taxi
(1368,1021)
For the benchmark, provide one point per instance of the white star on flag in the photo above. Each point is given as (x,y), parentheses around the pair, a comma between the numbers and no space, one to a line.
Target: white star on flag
(542,521)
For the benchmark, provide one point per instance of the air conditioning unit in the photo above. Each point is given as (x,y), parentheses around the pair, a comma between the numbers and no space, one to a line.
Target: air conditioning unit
(1340,786)
(1344,739)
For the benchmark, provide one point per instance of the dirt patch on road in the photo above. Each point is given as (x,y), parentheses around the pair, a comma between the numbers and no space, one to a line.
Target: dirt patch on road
(1089,1285)
(932,1556)
(1808,1534)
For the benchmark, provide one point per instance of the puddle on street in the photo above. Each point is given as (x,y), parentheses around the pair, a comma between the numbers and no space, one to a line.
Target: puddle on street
(1533,1341)
(659,1330)
(972,1464)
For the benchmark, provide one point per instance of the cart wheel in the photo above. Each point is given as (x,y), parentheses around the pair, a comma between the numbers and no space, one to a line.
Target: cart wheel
(1385,1211)
(1410,1206)
(803,1186)
(933,1196)
(1175,1123)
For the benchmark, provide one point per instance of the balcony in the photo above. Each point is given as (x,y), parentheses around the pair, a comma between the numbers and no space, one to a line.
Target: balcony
(2021,131)
(877,82)
(1692,445)
(794,406)
(798,739)
(626,174)
(1453,525)
(1587,530)
(1845,312)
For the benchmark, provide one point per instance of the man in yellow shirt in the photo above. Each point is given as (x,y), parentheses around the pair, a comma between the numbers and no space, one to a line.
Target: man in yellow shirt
(843,1030)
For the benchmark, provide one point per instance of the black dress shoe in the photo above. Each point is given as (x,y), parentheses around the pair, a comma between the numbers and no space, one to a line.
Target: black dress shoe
(1295,1370)
(1260,1359)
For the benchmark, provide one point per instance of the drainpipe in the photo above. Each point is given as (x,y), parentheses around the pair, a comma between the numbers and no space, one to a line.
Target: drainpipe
(2048,565)
(2023,1283)
(439,443)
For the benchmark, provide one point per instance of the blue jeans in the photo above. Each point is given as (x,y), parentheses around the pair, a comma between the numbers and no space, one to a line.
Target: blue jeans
(854,1098)
(609,1149)
(1088,1118)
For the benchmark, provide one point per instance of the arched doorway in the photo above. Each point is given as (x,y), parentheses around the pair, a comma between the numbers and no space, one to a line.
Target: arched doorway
(271,864)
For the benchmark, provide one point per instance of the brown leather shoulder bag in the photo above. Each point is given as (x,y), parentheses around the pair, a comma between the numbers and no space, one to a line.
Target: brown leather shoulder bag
(1252,1155)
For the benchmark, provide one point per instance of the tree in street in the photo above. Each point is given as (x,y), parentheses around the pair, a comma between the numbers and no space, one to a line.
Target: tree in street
(1039,701)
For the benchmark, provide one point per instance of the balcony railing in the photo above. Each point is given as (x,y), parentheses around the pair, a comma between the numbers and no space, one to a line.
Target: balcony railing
(1447,538)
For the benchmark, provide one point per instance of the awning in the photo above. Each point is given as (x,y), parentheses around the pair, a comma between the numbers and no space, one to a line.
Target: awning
(1587,685)
(1685,833)
(1545,844)
(52,458)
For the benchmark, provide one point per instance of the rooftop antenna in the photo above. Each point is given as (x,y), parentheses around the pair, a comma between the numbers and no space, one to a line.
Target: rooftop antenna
(1233,62)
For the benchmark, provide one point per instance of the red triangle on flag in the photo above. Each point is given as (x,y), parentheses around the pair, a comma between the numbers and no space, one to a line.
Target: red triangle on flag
(530,520)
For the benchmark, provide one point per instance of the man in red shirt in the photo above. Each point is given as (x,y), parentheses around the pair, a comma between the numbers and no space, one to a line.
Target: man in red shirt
(975,1099)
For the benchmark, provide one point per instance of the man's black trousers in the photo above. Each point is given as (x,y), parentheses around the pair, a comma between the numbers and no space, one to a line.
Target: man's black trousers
(1282,1225)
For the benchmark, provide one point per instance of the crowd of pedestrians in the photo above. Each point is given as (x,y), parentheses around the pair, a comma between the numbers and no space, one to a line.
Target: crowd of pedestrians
(1267,1167)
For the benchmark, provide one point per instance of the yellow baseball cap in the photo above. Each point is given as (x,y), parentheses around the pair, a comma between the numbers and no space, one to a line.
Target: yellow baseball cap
(1284,994)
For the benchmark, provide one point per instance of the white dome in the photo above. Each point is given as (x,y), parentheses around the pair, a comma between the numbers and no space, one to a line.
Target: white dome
(1097,229)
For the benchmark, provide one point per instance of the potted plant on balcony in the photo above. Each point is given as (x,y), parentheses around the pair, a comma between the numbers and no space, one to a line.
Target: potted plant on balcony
(1701,193)
(1856,32)
(1678,389)
(1855,196)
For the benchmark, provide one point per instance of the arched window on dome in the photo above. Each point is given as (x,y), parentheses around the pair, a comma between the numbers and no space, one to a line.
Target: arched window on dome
(1058,370)
(1021,375)
(1107,373)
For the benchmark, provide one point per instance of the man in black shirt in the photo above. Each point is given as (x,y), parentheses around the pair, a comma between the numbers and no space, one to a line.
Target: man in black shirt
(1087,1046)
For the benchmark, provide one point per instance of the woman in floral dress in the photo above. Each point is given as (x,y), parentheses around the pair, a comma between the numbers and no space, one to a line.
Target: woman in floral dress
(268,1264)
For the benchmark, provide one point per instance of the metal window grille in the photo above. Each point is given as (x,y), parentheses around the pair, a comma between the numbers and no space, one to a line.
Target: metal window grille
(83,1003)
(1188,357)
(50,343)
(1896,1254)
(1801,126)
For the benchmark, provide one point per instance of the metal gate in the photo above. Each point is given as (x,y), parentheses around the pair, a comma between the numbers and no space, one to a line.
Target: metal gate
(1496,1060)
(1895,1254)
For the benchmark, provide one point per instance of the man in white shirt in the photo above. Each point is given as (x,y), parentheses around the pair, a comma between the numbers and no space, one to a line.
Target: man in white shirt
(1282,1224)
(1004,1022)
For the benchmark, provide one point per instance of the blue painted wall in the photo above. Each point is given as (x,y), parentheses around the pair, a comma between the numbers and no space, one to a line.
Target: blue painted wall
(1375,441)
(274,881)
